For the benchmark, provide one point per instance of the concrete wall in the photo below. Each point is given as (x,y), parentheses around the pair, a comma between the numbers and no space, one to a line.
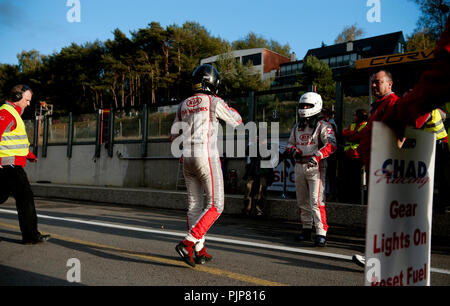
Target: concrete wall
(117,171)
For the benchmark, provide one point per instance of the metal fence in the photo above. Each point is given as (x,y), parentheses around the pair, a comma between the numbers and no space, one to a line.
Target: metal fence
(152,124)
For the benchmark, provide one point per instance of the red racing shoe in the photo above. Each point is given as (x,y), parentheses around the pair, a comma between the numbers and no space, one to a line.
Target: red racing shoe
(202,257)
(186,250)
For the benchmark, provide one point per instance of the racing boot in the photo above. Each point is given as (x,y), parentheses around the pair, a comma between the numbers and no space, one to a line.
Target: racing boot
(321,241)
(360,260)
(202,257)
(305,235)
(186,250)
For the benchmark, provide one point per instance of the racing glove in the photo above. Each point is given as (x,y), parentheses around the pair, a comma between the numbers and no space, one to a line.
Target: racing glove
(313,162)
(297,154)
(289,150)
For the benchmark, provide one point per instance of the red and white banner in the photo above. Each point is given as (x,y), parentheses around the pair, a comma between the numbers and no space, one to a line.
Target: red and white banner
(398,234)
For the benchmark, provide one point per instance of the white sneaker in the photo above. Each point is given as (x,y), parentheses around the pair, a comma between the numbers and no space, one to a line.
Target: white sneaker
(359,260)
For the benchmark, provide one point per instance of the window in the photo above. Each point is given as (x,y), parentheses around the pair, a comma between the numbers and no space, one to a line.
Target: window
(326,61)
(346,59)
(293,67)
(288,69)
(333,62)
(254,58)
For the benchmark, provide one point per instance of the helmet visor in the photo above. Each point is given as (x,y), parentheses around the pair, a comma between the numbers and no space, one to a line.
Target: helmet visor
(305,105)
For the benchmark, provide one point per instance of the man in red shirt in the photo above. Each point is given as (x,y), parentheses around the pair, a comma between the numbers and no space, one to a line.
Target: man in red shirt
(380,109)
(14,151)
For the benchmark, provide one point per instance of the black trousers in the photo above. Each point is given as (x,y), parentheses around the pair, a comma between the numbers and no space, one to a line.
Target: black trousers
(351,183)
(14,181)
(442,176)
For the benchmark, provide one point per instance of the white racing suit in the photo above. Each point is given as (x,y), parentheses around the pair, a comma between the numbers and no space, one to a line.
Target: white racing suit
(199,116)
(317,143)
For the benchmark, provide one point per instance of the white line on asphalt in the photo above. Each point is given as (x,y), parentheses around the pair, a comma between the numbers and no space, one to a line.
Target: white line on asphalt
(210,238)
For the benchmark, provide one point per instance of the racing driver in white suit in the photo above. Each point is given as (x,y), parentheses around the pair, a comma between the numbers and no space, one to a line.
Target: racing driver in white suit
(198,118)
(311,141)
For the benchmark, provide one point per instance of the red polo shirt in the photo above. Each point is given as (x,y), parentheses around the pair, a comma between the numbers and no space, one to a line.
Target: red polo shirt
(380,110)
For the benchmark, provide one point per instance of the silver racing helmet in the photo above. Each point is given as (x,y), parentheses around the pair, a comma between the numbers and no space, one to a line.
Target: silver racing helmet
(205,78)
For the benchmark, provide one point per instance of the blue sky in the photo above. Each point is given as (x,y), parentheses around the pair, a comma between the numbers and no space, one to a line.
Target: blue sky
(303,24)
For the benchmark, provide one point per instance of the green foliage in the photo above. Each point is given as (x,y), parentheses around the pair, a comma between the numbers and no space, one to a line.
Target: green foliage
(420,40)
(430,25)
(69,78)
(238,79)
(8,78)
(30,61)
(434,14)
(349,33)
(253,40)
(319,74)
(151,65)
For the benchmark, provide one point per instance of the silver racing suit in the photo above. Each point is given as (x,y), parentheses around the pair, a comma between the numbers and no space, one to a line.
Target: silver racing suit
(198,117)
(312,144)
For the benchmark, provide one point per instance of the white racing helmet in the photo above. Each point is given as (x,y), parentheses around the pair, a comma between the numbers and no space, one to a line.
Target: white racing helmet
(312,98)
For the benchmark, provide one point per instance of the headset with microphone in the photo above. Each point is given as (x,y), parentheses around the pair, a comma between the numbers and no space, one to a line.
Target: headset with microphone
(17,92)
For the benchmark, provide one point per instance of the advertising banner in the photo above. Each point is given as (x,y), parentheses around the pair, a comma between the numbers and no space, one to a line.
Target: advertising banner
(398,234)
(393,59)
(280,173)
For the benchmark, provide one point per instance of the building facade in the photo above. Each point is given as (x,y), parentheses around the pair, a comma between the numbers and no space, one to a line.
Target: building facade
(264,62)
(341,57)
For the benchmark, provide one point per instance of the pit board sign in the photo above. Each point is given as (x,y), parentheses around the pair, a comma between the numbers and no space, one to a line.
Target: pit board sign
(399,212)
